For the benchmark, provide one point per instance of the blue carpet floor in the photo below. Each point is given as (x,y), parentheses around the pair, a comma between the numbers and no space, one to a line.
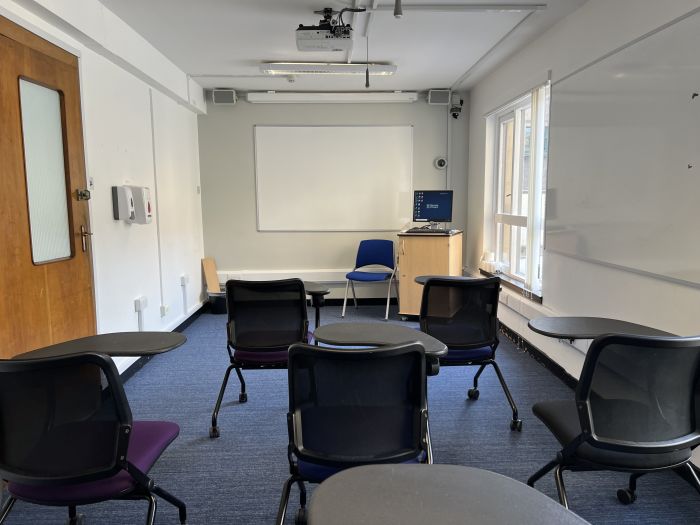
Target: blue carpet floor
(237,478)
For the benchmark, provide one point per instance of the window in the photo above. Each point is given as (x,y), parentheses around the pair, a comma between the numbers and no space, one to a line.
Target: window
(516,189)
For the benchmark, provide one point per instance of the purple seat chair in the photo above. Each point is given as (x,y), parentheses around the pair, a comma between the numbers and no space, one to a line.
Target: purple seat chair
(462,313)
(264,319)
(353,407)
(67,437)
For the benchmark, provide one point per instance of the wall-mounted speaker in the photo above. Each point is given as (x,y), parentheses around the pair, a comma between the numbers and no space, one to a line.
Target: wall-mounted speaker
(223,96)
(439,97)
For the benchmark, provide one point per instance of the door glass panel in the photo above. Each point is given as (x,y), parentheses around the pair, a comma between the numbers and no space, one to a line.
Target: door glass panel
(42,131)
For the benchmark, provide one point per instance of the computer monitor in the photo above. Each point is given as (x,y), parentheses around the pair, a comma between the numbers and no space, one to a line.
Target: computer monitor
(432,206)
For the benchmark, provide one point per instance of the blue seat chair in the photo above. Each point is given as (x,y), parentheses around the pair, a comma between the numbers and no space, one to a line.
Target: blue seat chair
(372,252)
(353,407)
(635,410)
(67,437)
(264,318)
(462,313)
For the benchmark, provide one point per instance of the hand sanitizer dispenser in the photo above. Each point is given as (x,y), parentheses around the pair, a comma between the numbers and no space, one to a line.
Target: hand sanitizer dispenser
(123,204)
(142,204)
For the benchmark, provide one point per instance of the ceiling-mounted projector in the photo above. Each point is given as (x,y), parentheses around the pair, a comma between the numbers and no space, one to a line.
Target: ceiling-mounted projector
(331,33)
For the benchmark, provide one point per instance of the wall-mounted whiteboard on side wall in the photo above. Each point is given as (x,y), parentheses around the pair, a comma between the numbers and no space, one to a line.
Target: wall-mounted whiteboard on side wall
(624,158)
(333,178)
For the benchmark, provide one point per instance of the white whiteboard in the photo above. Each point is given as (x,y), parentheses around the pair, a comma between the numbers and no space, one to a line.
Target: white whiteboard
(333,178)
(624,158)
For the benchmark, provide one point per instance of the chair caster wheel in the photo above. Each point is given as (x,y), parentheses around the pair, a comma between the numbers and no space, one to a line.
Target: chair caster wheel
(243,398)
(626,496)
(473,393)
(78,520)
(516,424)
(214,432)
(300,518)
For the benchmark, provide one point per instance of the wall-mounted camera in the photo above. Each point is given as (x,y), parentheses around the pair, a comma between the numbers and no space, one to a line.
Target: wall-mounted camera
(440,163)
(456,105)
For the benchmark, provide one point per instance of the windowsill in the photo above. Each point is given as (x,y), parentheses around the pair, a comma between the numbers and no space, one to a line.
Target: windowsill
(514,284)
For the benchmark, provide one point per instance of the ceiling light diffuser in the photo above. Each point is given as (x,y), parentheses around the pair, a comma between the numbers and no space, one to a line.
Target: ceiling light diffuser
(325,68)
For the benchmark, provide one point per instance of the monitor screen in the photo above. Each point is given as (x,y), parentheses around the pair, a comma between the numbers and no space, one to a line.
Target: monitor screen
(432,206)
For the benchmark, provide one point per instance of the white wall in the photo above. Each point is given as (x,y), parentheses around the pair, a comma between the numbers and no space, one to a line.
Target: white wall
(139,128)
(571,286)
(228,185)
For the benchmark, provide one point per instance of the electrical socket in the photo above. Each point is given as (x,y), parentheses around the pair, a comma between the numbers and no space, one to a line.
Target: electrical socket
(184,279)
(164,308)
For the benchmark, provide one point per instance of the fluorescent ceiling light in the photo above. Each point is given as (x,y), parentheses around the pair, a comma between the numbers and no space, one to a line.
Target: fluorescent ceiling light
(287,97)
(325,68)
(485,8)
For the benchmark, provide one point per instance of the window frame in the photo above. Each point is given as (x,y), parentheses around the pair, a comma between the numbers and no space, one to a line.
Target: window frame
(532,218)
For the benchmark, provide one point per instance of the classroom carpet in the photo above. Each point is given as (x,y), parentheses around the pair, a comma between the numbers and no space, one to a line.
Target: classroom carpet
(237,478)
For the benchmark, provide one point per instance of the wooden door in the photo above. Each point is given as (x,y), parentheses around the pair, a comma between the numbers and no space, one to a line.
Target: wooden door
(46,285)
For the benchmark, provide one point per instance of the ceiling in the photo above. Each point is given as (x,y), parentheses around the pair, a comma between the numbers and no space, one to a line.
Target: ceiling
(221,43)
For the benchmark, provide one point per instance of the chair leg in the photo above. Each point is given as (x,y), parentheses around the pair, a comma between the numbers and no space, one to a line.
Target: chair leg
(693,476)
(388,298)
(282,510)
(181,507)
(473,393)
(152,507)
(354,295)
(515,424)
(627,496)
(242,397)
(537,475)
(561,490)
(429,444)
(302,493)
(214,430)
(6,508)
(345,299)
(73,517)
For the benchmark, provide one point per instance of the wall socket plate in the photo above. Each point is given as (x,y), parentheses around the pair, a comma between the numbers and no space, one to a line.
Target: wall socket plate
(164,309)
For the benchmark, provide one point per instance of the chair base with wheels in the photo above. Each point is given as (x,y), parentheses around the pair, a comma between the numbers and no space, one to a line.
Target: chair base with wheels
(473,393)
(275,360)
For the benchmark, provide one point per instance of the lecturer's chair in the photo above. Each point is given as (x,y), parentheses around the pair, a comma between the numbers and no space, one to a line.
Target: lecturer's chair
(372,252)
(264,318)
(462,313)
(67,437)
(636,410)
(353,407)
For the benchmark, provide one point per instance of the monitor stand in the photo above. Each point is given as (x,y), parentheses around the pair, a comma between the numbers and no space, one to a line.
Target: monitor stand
(435,226)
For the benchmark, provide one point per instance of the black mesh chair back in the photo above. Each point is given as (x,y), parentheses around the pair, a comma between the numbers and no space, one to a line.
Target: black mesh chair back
(62,420)
(266,315)
(461,313)
(357,406)
(641,394)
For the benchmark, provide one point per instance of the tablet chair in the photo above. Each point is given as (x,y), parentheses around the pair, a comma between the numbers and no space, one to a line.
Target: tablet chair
(67,437)
(372,252)
(462,313)
(636,409)
(264,318)
(353,407)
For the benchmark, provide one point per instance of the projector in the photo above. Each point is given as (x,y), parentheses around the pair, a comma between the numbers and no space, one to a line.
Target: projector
(324,38)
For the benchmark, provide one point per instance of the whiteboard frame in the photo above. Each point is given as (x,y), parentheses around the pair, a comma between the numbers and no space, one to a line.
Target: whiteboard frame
(328,230)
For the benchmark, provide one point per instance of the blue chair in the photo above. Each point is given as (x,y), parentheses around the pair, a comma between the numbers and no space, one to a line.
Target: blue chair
(353,407)
(372,252)
(67,437)
(462,313)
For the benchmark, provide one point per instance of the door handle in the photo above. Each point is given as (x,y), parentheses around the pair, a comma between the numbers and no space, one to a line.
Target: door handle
(84,234)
